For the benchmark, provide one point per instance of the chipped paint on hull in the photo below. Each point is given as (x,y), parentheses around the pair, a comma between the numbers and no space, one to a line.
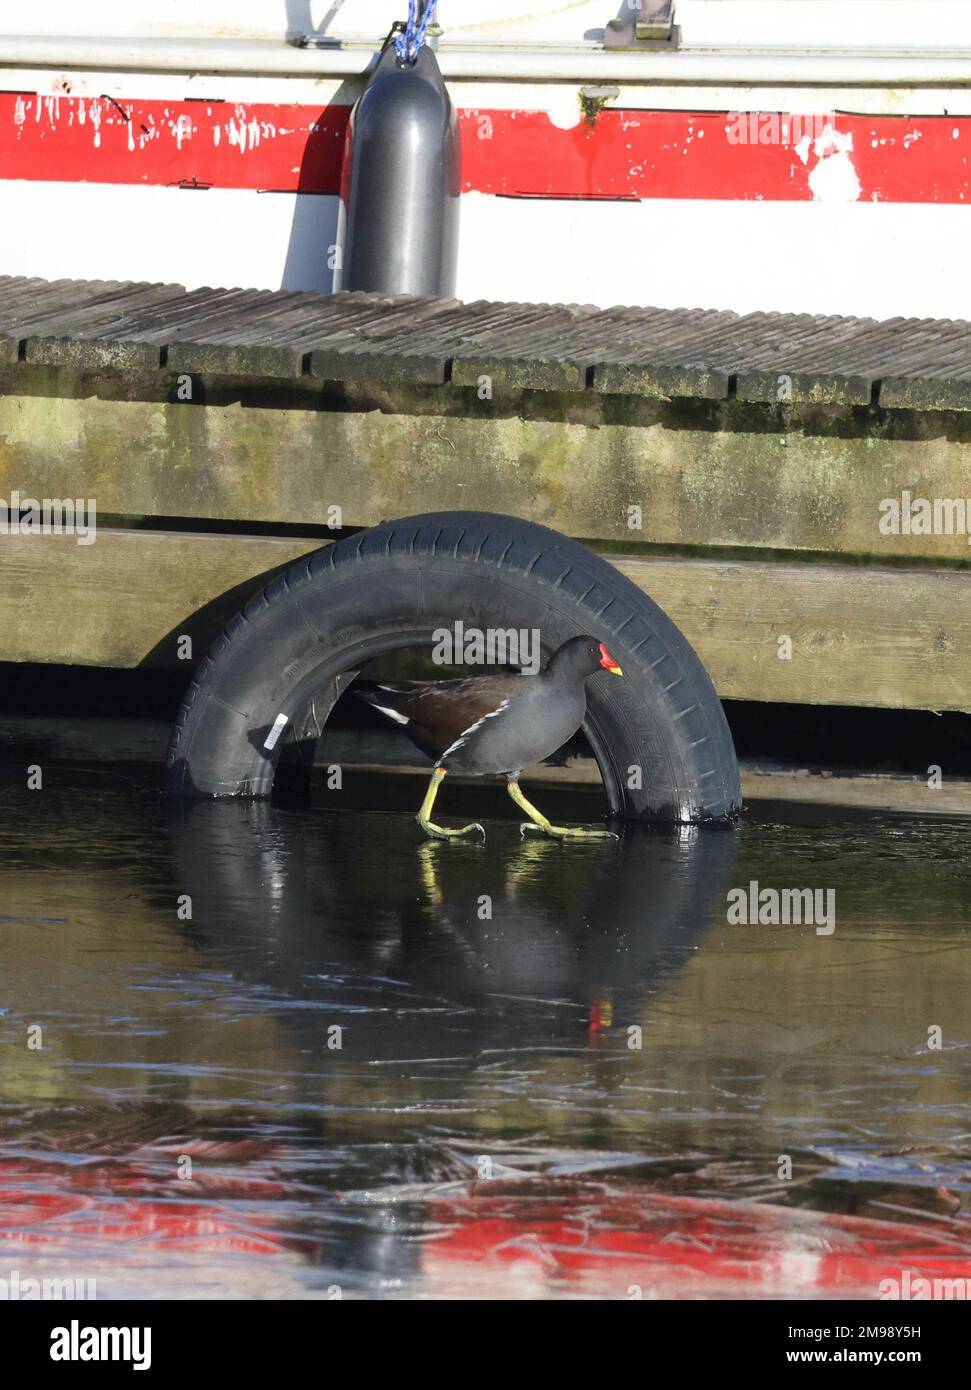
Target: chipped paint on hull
(195,143)
(581,201)
(550,153)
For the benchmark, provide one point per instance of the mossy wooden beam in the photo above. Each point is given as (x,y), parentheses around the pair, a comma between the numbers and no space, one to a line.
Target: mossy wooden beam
(793,633)
(695,474)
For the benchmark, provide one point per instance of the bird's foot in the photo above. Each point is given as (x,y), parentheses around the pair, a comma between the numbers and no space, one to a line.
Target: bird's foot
(441,832)
(564,832)
(538,824)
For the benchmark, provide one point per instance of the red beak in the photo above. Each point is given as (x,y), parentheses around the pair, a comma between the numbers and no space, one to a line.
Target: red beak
(608,662)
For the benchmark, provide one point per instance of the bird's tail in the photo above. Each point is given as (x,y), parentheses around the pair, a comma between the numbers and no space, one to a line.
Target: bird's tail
(383,698)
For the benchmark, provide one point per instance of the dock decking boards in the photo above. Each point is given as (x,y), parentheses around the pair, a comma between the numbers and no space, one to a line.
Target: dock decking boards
(754,451)
(893,638)
(284,334)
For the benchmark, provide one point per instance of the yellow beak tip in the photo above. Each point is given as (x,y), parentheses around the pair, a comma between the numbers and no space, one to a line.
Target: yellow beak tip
(615,670)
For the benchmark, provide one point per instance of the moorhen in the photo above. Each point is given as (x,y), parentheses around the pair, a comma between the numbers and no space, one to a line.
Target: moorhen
(486,725)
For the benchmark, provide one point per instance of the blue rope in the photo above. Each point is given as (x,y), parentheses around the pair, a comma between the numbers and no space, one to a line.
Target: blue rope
(409,44)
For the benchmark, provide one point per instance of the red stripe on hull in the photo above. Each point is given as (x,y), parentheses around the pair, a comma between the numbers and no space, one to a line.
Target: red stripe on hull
(683,154)
(621,155)
(196,143)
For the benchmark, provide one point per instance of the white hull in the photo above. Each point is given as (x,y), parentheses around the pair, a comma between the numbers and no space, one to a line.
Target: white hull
(828,245)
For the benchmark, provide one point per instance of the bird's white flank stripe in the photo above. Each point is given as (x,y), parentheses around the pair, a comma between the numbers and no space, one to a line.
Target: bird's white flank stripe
(393,714)
(471,730)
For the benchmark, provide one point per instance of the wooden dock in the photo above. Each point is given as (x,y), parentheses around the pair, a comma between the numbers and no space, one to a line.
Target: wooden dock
(735,467)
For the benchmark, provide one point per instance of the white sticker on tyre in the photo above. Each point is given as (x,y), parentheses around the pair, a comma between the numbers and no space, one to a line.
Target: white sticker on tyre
(279,724)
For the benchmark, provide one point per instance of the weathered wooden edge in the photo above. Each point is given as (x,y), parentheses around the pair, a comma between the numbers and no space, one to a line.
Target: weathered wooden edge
(229,360)
(925,393)
(520,374)
(641,379)
(384,367)
(87,354)
(659,381)
(881,638)
(814,388)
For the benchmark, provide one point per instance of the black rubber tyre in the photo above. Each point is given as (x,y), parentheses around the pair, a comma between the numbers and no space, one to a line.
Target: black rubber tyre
(282,663)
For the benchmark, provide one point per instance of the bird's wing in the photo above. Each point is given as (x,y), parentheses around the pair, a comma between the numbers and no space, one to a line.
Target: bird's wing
(466,734)
(437,713)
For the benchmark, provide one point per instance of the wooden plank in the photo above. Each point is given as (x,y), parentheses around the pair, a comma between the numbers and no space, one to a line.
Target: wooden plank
(529,374)
(228,360)
(659,381)
(818,388)
(335,364)
(106,326)
(704,474)
(793,787)
(869,792)
(93,354)
(86,740)
(127,599)
(926,393)
(883,638)
(897,639)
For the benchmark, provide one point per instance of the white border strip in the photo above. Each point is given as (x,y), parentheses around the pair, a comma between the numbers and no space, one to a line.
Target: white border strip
(725,66)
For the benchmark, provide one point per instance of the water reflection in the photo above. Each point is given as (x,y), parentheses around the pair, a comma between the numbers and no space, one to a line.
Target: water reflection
(285,1052)
(420,938)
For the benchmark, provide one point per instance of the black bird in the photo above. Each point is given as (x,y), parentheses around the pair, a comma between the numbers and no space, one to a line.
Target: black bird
(489,725)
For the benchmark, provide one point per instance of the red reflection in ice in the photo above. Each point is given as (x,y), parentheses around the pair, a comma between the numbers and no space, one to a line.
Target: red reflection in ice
(624,1243)
(128,1201)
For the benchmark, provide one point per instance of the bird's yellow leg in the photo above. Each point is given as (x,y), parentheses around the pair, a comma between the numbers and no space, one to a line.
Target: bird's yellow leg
(558,832)
(439,832)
